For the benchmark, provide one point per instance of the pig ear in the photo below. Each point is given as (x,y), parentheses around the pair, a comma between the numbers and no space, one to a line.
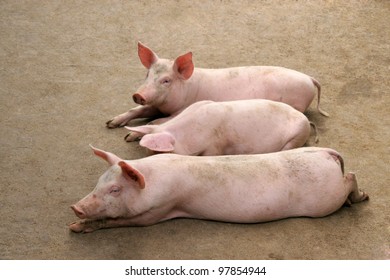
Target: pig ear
(158,142)
(143,129)
(184,66)
(133,174)
(109,157)
(146,55)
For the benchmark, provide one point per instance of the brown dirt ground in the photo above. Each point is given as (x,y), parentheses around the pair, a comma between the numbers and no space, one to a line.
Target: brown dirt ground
(69,66)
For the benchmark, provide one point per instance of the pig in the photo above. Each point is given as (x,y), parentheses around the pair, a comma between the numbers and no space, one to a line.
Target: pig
(209,128)
(171,86)
(306,181)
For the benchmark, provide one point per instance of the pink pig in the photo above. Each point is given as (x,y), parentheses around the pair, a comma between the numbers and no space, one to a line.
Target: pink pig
(210,128)
(238,189)
(171,86)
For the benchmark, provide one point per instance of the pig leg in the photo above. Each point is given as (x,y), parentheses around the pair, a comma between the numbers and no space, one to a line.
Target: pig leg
(294,143)
(134,113)
(299,139)
(355,195)
(133,136)
(87,226)
(146,218)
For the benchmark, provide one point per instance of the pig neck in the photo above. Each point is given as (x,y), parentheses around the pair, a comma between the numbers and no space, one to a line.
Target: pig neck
(201,86)
(159,195)
(205,84)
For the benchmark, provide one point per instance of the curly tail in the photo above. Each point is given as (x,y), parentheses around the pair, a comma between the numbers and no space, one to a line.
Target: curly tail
(337,158)
(318,86)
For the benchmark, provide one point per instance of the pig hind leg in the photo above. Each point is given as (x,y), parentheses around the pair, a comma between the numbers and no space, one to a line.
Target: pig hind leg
(355,194)
(299,139)
(295,143)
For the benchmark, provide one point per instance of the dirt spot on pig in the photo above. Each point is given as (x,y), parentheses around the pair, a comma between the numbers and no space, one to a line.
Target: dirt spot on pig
(233,74)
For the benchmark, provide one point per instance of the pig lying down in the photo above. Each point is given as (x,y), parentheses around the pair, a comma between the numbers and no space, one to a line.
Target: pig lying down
(227,128)
(171,86)
(239,189)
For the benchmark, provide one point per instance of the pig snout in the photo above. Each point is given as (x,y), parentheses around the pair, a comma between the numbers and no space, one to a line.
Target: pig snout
(139,99)
(79,213)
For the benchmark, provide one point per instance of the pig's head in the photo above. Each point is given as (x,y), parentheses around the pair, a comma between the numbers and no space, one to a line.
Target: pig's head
(164,78)
(115,192)
(154,140)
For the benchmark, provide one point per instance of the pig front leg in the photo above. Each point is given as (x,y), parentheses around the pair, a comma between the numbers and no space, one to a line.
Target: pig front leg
(134,136)
(87,226)
(134,113)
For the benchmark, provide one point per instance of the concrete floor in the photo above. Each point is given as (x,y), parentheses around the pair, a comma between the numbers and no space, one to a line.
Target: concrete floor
(69,66)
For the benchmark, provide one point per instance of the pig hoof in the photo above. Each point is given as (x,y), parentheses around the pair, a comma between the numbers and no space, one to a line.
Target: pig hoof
(322,112)
(131,137)
(347,203)
(83,227)
(365,196)
(76,227)
(112,124)
(127,137)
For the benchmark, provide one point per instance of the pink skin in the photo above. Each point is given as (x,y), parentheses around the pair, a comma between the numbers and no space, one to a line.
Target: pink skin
(171,86)
(227,128)
(239,189)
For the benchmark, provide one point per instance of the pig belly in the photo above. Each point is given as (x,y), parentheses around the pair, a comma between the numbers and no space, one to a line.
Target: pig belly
(252,192)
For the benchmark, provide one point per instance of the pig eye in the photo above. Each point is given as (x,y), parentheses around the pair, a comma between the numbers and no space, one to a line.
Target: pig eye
(115,190)
(165,81)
